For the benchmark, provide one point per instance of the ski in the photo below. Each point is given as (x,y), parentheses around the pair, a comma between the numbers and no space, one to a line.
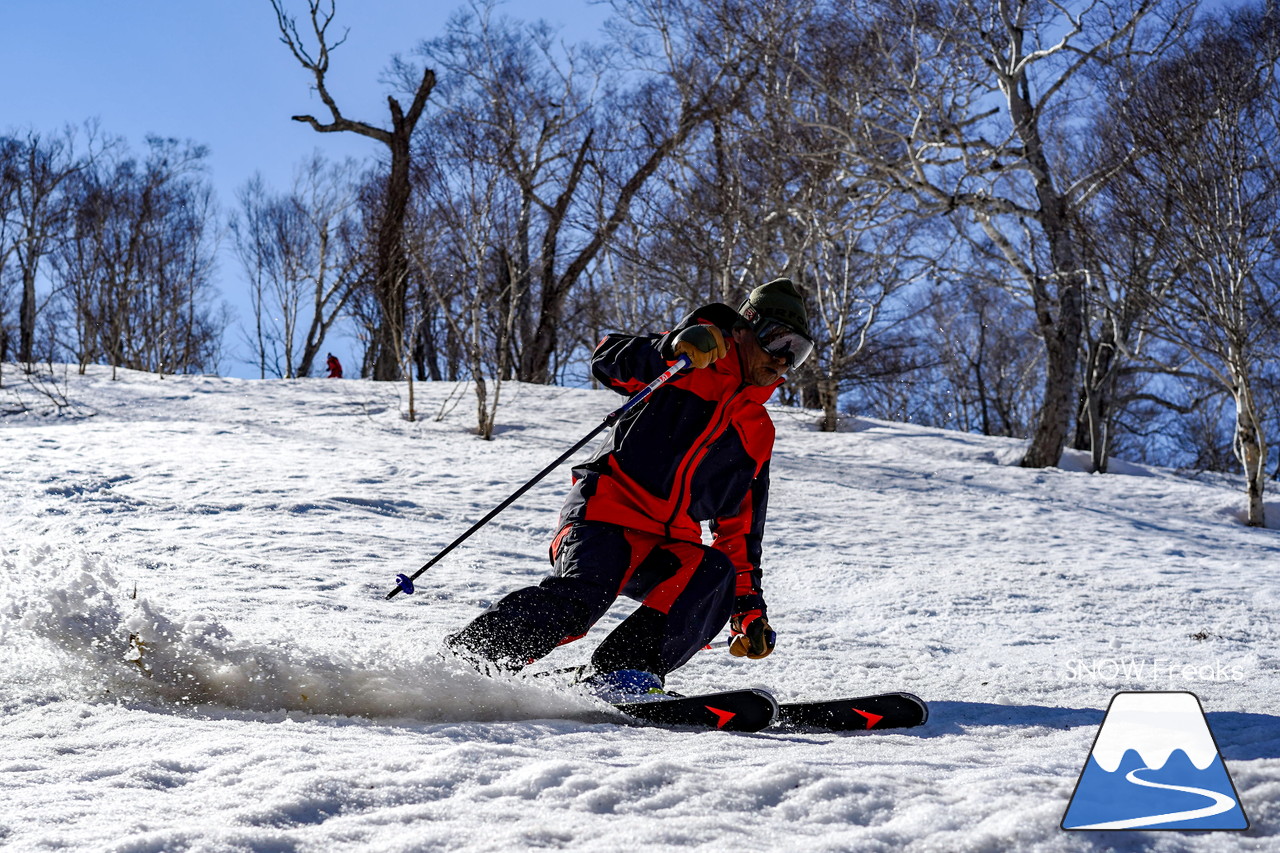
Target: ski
(862,713)
(747,710)
(750,710)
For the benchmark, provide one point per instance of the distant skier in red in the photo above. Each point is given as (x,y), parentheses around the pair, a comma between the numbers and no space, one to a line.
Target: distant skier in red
(335,367)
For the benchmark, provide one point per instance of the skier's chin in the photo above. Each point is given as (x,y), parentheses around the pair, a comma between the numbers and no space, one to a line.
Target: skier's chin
(766,375)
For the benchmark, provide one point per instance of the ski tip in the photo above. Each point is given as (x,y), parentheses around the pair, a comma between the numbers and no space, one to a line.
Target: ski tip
(773,700)
(924,706)
(877,712)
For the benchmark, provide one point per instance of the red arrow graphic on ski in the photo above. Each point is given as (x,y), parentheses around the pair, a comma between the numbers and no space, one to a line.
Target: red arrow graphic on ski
(722,716)
(871,718)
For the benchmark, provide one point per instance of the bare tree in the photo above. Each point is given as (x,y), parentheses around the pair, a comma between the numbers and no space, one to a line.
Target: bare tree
(1211,119)
(510,143)
(577,140)
(827,221)
(988,364)
(37,219)
(683,247)
(390,270)
(258,248)
(10,158)
(977,116)
(301,253)
(135,271)
(771,190)
(327,197)
(461,247)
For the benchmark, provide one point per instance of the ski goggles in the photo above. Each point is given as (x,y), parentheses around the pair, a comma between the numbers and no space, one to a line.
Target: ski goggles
(781,341)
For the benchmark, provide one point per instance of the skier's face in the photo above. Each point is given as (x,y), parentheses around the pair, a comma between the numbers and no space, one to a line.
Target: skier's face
(758,367)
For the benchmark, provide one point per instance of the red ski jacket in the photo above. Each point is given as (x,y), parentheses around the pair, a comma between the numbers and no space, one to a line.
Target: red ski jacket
(697,450)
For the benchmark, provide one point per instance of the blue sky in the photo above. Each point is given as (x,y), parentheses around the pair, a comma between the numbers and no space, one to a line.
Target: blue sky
(215,72)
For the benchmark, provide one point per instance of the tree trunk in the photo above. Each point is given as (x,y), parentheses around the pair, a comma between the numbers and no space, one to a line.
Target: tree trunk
(1054,417)
(1098,391)
(27,317)
(1061,320)
(1251,449)
(535,360)
(392,265)
(829,396)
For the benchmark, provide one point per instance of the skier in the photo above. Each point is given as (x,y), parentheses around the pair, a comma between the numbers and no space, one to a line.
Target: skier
(335,367)
(697,450)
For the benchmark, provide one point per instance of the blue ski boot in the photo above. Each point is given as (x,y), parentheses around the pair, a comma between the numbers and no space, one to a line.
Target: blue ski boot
(625,685)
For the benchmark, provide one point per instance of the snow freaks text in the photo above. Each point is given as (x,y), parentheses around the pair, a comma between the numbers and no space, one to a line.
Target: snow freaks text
(1130,669)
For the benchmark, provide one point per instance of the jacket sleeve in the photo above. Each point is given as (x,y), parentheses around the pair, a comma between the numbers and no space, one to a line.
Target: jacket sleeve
(740,537)
(627,363)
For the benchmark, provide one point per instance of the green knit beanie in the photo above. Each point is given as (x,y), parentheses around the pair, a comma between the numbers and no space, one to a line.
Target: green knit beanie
(777,300)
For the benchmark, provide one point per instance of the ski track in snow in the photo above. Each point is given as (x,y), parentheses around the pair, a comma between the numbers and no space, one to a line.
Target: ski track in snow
(244,534)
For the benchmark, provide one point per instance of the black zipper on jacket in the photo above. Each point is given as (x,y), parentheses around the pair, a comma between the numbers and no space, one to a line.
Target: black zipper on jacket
(687,480)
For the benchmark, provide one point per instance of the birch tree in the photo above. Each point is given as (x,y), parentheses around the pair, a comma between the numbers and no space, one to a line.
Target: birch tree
(1211,122)
(981,116)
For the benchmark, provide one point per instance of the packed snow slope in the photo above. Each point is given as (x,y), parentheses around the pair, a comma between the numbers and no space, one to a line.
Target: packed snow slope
(195,652)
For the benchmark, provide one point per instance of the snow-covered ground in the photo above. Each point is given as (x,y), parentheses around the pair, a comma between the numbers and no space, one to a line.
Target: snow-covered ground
(243,534)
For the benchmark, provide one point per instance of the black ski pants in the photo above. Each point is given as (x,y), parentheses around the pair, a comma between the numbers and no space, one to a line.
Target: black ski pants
(686,592)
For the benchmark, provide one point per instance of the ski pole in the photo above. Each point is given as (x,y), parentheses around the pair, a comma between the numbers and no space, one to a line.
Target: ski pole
(404,583)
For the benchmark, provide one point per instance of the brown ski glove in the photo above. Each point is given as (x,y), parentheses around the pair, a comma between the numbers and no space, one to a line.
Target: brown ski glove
(703,344)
